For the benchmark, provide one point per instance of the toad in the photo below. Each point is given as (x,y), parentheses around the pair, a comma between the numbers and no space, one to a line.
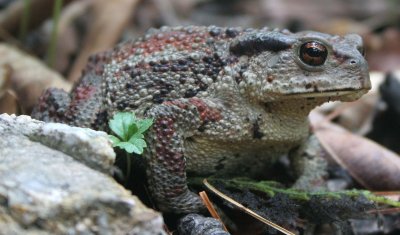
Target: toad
(225,101)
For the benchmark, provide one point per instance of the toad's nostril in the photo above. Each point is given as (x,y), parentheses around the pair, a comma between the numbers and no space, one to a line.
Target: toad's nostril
(353,62)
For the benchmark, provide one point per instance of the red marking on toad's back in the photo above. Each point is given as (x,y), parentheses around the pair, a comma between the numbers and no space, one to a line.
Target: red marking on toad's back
(82,93)
(181,40)
(80,96)
(206,113)
(178,103)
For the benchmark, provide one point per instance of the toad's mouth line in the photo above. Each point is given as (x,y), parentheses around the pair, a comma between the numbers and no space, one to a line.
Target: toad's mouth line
(329,93)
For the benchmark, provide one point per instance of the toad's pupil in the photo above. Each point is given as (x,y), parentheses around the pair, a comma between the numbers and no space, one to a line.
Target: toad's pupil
(313,52)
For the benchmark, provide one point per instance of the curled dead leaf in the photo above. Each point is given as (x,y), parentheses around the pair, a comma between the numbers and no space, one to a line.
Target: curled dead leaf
(372,165)
(29,76)
(8,100)
(5,81)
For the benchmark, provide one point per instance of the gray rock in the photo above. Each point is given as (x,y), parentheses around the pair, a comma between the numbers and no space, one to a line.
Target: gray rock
(45,191)
(83,144)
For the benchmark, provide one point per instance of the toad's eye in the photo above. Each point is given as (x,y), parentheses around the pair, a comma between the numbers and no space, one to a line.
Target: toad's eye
(313,53)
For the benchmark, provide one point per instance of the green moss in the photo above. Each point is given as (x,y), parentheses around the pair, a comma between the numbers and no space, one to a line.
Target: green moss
(270,188)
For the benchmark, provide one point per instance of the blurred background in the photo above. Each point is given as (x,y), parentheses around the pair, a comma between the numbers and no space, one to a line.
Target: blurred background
(46,43)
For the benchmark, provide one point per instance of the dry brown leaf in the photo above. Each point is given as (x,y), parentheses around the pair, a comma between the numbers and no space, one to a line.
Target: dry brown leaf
(5,81)
(8,100)
(372,165)
(109,21)
(29,76)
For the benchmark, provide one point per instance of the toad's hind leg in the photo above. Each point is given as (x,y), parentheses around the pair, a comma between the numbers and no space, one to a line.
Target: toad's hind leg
(82,107)
(173,122)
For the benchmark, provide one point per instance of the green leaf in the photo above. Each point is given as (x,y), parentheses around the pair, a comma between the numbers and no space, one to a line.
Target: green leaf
(130,132)
(129,147)
(121,124)
(137,135)
(144,124)
(114,140)
(140,143)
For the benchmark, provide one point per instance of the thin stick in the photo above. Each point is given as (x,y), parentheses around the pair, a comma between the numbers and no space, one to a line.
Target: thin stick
(210,208)
(246,210)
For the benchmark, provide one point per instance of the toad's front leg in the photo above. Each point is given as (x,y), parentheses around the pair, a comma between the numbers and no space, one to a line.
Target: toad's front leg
(174,121)
(308,165)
